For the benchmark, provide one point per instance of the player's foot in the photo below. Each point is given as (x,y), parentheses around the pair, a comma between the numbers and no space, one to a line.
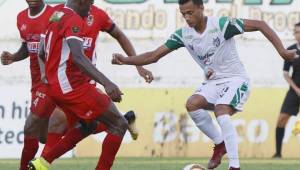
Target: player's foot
(130,117)
(219,152)
(276,156)
(296,129)
(231,168)
(38,164)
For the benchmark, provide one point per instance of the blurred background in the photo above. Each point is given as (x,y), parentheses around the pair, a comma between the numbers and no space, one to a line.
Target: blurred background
(165,128)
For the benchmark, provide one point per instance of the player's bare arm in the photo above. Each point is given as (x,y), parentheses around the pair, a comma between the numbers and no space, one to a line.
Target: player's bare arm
(129,50)
(88,68)
(8,58)
(142,59)
(268,32)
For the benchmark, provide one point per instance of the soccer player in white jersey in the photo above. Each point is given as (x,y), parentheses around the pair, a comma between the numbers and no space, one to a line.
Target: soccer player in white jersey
(210,42)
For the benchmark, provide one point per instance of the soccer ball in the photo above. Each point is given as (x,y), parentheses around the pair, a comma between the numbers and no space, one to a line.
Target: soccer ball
(194,167)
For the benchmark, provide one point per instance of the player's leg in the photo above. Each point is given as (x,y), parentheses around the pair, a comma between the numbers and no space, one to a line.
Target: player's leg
(116,127)
(233,94)
(197,106)
(279,132)
(229,133)
(43,130)
(131,119)
(31,140)
(93,105)
(34,125)
(56,129)
(290,106)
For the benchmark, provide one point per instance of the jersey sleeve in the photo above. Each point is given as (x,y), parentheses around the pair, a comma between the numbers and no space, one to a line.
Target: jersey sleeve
(19,25)
(231,27)
(286,66)
(107,23)
(73,28)
(175,41)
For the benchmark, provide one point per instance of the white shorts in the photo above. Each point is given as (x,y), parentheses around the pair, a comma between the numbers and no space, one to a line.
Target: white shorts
(232,91)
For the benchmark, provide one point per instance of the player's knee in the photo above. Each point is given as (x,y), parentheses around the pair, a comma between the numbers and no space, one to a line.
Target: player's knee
(282,120)
(192,104)
(31,127)
(121,126)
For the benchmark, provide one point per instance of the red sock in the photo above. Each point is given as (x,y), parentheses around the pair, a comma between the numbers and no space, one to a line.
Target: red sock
(31,146)
(100,128)
(110,147)
(52,139)
(72,137)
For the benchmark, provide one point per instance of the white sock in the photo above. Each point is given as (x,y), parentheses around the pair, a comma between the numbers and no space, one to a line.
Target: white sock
(230,138)
(204,122)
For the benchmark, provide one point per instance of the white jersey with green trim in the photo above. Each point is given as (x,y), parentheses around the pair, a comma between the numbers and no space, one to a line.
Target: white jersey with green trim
(214,49)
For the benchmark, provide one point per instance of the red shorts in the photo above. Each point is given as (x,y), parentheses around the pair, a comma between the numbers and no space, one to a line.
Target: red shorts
(85,103)
(41,104)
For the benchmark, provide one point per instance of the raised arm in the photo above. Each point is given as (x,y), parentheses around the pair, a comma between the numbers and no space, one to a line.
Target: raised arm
(8,58)
(126,45)
(264,28)
(85,65)
(142,59)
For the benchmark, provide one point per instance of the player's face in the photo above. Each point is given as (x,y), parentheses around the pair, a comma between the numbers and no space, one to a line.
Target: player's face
(85,6)
(34,3)
(192,13)
(297,34)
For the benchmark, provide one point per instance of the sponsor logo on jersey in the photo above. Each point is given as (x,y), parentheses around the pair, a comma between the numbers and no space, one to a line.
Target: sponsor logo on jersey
(207,58)
(56,16)
(33,47)
(216,42)
(87,43)
(90,20)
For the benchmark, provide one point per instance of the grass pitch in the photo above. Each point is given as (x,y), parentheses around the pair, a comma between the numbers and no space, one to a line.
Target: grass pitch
(161,164)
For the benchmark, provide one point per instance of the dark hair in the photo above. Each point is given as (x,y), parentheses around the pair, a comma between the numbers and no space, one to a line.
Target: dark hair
(297,25)
(196,2)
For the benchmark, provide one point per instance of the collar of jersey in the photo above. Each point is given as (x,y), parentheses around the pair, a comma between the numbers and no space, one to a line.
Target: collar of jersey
(37,15)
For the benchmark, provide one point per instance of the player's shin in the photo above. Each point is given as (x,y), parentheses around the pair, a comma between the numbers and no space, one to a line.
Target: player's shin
(31,145)
(230,138)
(110,147)
(204,122)
(52,139)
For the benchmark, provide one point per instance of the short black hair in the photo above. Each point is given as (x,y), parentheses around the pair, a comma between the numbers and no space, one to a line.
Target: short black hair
(196,2)
(297,25)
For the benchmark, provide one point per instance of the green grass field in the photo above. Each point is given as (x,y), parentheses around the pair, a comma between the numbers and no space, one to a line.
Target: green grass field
(160,164)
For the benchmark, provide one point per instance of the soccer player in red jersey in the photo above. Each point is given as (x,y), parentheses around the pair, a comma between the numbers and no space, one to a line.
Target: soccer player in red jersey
(68,71)
(97,21)
(31,22)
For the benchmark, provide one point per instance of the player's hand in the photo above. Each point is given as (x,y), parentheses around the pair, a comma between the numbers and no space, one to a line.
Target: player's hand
(146,74)
(6,58)
(289,55)
(113,92)
(118,59)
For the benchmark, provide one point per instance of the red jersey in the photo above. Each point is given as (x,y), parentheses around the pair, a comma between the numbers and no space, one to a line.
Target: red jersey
(61,73)
(97,21)
(30,28)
